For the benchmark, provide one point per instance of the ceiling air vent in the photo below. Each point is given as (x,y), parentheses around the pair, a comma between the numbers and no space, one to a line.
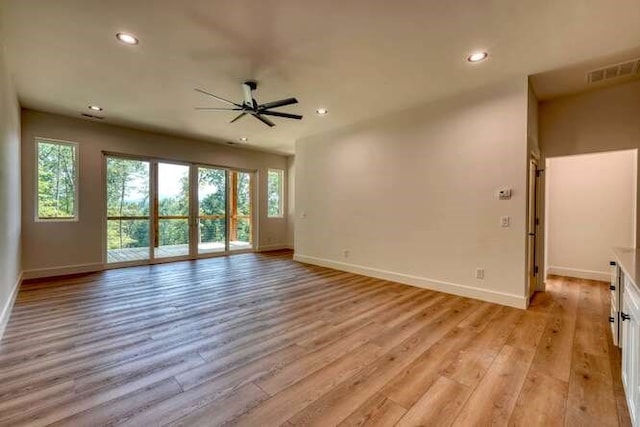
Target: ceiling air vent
(614,71)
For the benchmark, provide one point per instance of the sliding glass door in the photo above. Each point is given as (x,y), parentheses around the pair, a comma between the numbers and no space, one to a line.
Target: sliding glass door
(128,215)
(158,211)
(171,219)
(212,210)
(240,211)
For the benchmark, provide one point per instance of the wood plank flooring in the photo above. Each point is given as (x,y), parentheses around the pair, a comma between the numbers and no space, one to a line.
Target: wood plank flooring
(257,339)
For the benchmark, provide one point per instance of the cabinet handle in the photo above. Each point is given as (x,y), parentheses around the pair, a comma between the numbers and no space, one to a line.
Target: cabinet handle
(611,319)
(625,316)
(612,288)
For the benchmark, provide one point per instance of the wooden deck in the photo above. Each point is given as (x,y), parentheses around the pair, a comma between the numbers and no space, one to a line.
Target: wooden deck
(259,340)
(137,254)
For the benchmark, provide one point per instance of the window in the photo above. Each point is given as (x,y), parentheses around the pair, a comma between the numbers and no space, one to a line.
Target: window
(57,180)
(275,177)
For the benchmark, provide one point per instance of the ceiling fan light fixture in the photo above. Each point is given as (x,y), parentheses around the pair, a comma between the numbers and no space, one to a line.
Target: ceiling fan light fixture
(322,111)
(477,56)
(95,108)
(127,38)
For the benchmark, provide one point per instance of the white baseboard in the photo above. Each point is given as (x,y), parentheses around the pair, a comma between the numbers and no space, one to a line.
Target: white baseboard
(502,298)
(603,276)
(39,273)
(272,247)
(5,313)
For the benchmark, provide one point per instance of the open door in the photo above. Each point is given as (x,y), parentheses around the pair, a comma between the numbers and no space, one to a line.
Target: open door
(532,227)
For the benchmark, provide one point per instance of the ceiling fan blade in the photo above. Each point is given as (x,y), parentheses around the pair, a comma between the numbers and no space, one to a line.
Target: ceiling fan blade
(276,104)
(217,97)
(217,109)
(277,114)
(239,117)
(264,120)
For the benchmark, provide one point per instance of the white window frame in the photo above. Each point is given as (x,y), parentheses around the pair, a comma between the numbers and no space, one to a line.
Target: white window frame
(75,145)
(281,199)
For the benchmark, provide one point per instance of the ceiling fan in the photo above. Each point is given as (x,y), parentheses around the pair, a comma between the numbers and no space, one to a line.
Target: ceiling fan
(251,107)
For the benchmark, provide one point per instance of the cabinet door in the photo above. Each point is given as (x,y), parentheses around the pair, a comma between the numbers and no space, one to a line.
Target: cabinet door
(631,351)
(613,319)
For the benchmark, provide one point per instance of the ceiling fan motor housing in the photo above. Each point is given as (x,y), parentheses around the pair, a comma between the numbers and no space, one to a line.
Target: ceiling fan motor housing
(252,84)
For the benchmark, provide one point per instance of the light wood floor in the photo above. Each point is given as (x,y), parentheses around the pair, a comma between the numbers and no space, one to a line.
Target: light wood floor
(258,340)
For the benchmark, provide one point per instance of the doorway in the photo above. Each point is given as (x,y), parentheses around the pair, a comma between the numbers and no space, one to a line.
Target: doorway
(159,211)
(590,207)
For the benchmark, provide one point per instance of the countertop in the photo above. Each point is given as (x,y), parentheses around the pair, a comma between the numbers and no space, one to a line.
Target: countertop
(629,260)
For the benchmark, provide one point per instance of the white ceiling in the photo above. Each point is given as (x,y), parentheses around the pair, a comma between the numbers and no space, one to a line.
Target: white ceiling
(358,58)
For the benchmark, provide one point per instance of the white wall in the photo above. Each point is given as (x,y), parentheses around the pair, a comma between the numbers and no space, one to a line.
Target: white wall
(596,121)
(412,195)
(64,247)
(591,202)
(10,270)
(291,200)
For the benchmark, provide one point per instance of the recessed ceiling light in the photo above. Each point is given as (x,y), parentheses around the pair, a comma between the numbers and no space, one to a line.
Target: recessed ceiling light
(95,108)
(477,56)
(322,111)
(244,139)
(127,38)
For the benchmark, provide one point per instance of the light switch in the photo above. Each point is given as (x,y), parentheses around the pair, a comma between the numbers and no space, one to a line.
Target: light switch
(505,221)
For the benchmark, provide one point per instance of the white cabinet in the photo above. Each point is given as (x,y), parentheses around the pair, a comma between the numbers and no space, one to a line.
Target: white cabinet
(630,317)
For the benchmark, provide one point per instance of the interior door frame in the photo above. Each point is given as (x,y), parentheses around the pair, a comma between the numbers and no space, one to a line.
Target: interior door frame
(193,206)
(534,226)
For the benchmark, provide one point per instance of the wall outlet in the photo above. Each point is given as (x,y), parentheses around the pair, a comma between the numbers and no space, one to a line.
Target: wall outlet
(479,273)
(345,253)
(505,221)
